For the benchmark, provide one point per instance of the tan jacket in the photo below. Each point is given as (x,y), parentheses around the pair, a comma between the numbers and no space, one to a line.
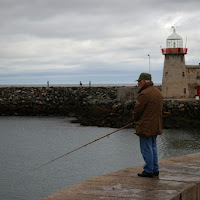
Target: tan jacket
(148,111)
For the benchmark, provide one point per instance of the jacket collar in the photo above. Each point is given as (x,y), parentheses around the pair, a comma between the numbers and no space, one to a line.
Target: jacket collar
(146,86)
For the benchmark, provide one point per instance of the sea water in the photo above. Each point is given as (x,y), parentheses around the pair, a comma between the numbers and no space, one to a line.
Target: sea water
(29,142)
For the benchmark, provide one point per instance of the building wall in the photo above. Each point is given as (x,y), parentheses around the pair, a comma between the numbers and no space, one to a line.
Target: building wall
(193,78)
(179,80)
(174,83)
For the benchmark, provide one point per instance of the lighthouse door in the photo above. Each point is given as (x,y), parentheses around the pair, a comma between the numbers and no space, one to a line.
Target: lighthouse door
(198,90)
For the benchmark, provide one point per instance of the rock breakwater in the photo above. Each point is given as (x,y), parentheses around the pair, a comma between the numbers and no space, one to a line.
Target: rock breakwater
(94,106)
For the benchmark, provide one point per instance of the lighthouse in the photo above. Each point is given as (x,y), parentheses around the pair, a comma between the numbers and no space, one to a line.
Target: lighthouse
(174,81)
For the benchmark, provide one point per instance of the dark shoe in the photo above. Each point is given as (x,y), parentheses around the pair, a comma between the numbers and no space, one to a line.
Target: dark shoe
(156,173)
(145,174)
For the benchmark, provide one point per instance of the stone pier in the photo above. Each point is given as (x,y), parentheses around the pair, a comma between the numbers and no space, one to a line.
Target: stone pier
(179,179)
(93,106)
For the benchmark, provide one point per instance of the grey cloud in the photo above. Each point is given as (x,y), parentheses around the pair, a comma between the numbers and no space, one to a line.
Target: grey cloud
(80,18)
(37,8)
(103,37)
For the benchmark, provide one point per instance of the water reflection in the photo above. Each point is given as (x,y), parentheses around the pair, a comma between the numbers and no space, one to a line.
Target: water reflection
(178,142)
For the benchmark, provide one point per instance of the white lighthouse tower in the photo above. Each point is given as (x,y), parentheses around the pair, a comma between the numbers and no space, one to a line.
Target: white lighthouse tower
(174,82)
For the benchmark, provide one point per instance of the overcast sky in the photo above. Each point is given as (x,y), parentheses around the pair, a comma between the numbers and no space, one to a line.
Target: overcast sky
(103,41)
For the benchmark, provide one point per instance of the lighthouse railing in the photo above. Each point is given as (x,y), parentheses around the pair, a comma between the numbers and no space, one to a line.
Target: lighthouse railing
(174,51)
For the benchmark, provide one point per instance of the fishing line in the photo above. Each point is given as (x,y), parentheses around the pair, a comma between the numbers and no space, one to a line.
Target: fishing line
(66,154)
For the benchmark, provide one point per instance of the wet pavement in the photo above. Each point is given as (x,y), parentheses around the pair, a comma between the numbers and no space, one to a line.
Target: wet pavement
(179,179)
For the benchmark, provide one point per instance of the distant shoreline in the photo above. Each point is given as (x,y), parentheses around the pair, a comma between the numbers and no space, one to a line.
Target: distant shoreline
(75,85)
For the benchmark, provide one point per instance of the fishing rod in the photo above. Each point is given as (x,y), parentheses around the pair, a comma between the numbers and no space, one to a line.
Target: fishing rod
(82,146)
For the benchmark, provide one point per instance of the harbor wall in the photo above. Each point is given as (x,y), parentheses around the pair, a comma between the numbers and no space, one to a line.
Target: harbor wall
(179,179)
(94,106)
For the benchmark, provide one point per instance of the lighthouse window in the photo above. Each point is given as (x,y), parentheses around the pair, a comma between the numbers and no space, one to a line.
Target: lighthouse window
(169,43)
(175,43)
(198,75)
(184,90)
(183,74)
(166,74)
(182,58)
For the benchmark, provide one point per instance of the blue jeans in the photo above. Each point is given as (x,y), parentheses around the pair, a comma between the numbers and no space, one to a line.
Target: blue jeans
(148,147)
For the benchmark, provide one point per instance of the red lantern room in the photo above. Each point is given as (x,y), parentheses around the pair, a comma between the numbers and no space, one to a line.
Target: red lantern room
(174,44)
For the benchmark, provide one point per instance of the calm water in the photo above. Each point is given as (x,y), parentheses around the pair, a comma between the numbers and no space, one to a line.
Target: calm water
(28,142)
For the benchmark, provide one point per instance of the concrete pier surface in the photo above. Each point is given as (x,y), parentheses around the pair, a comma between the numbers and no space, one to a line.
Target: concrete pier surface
(179,179)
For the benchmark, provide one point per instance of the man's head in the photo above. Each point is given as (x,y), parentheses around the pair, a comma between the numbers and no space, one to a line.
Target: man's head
(143,79)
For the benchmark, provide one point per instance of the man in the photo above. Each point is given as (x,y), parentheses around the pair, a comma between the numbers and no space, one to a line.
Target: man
(148,117)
